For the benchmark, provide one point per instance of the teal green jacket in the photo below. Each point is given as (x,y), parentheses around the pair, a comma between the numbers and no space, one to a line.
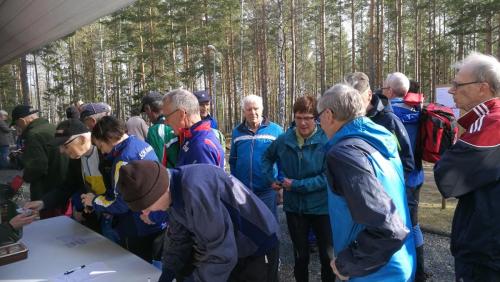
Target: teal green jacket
(305,166)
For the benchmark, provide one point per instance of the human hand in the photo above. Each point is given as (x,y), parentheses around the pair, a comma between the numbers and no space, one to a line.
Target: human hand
(34,205)
(276,186)
(145,217)
(87,199)
(336,271)
(78,216)
(287,183)
(22,219)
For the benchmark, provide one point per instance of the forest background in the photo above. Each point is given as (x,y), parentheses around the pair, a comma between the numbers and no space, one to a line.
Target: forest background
(278,49)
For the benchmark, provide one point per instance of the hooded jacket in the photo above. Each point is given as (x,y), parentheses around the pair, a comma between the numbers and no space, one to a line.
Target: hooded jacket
(410,117)
(216,216)
(470,171)
(199,144)
(367,203)
(382,114)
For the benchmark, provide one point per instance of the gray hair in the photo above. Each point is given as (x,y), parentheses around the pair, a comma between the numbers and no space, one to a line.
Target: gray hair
(399,83)
(358,81)
(3,113)
(182,99)
(344,101)
(252,99)
(484,67)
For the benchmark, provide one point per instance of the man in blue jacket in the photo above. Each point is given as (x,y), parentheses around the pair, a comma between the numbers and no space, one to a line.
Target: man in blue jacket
(250,140)
(197,141)
(367,203)
(232,234)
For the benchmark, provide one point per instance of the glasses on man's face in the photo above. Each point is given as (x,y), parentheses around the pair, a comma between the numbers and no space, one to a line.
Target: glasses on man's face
(65,145)
(320,113)
(455,84)
(170,114)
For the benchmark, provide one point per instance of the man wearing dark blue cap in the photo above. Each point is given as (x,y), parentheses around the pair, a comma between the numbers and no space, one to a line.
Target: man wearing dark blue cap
(204,102)
(44,166)
(91,113)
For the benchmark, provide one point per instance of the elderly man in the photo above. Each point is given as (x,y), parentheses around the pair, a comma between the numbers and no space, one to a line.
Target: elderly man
(44,166)
(197,141)
(470,170)
(5,138)
(84,174)
(160,136)
(368,211)
(91,113)
(395,88)
(219,230)
(249,142)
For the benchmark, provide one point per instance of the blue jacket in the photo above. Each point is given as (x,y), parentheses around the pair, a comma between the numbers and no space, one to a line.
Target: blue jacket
(127,223)
(305,166)
(199,145)
(410,117)
(213,122)
(214,221)
(367,202)
(247,149)
(383,115)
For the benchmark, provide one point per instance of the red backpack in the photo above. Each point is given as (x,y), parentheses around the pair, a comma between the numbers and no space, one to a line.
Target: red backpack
(438,131)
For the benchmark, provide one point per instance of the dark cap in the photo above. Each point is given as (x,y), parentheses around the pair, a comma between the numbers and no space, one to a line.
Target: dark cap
(142,183)
(94,108)
(72,112)
(150,98)
(21,111)
(68,128)
(358,81)
(202,96)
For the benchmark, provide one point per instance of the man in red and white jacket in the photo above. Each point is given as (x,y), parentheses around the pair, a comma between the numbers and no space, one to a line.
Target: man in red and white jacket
(470,170)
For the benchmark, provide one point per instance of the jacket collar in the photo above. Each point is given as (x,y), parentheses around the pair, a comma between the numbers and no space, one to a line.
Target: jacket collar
(377,106)
(188,133)
(291,138)
(244,128)
(160,120)
(478,112)
(33,124)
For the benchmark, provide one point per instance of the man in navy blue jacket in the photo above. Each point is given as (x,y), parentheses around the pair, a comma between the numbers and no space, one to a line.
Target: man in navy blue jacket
(197,141)
(230,232)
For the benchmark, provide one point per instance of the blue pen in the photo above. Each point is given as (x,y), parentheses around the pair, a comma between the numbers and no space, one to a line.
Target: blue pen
(74,269)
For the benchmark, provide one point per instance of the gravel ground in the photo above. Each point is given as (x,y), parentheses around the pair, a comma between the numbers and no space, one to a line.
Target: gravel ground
(439,262)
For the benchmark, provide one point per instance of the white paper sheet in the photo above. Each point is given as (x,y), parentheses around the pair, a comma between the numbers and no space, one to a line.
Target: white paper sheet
(87,273)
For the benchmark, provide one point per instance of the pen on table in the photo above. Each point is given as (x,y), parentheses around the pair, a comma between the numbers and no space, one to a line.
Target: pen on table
(74,269)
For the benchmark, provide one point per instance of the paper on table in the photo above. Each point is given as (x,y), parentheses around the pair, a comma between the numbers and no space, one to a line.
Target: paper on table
(87,273)
(71,241)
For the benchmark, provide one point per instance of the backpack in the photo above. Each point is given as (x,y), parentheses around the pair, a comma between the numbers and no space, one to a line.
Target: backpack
(438,131)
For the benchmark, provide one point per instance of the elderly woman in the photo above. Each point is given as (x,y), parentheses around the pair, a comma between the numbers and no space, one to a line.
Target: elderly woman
(300,152)
(367,202)
(249,141)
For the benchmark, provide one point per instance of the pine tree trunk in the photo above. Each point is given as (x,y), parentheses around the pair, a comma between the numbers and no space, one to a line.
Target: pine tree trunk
(24,81)
(322,63)
(38,99)
(281,62)
(371,45)
(293,71)
(353,39)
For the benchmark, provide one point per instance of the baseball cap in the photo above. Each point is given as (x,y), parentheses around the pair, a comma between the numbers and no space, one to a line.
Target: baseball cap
(21,111)
(93,108)
(68,128)
(202,96)
(149,98)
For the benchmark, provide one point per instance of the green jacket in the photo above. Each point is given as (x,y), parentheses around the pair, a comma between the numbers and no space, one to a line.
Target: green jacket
(305,166)
(164,141)
(44,166)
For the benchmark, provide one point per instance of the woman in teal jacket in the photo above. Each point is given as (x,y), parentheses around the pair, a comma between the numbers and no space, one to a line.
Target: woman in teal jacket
(300,152)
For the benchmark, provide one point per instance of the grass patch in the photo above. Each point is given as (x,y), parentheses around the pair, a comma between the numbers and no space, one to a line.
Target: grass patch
(431,214)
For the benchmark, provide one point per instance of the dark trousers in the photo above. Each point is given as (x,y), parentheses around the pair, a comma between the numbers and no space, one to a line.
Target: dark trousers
(413,198)
(471,272)
(257,269)
(298,226)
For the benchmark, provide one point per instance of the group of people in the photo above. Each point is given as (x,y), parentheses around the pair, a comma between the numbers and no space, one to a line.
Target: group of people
(346,166)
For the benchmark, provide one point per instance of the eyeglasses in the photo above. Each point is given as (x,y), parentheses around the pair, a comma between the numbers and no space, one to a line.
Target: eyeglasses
(301,119)
(170,114)
(384,88)
(455,84)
